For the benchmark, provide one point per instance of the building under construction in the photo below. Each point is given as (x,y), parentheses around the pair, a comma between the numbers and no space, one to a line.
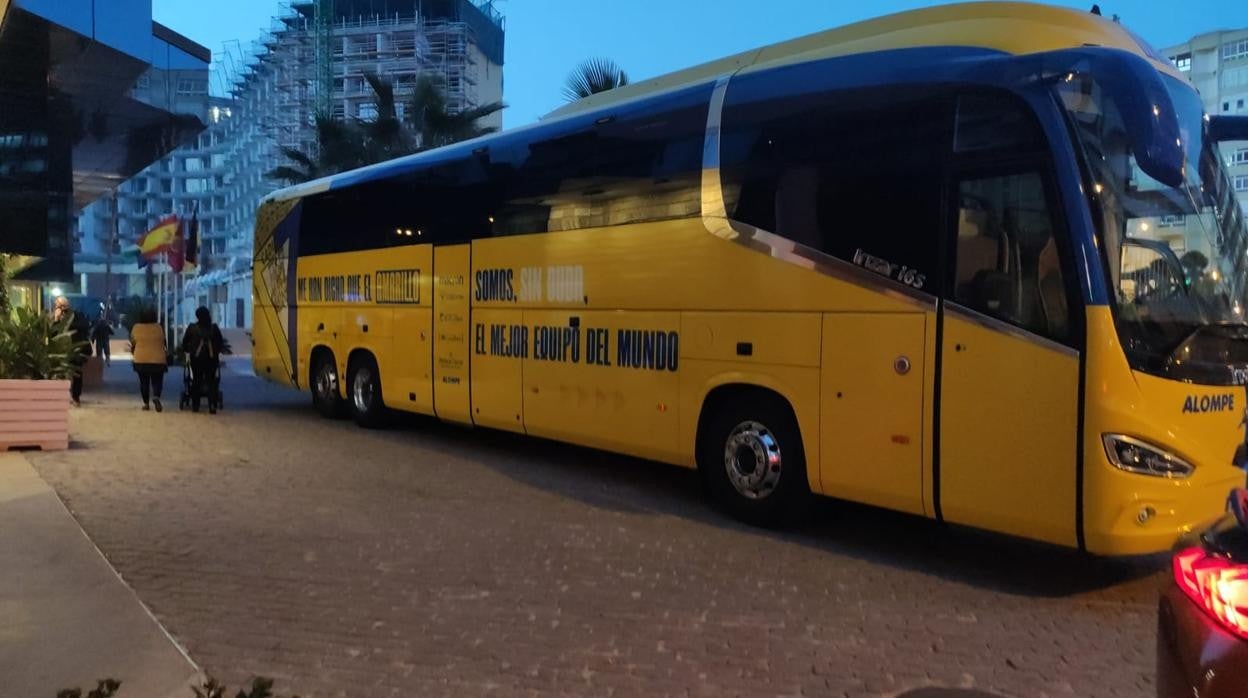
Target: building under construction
(316,54)
(312,60)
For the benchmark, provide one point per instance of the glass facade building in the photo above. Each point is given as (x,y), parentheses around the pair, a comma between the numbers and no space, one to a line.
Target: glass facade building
(73,123)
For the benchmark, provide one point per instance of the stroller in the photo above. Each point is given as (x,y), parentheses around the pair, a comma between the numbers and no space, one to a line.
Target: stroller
(209,344)
(212,385)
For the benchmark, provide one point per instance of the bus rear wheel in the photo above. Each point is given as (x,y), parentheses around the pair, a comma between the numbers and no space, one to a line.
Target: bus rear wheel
(364,387)
(751,459)
(326,394)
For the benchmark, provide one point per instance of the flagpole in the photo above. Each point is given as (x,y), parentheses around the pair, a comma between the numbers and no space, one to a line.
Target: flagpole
(164,316)
(179,300)
(179,250)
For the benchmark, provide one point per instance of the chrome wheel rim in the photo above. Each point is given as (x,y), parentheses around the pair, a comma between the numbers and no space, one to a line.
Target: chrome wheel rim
(326,383)
(362,389)
(752,460)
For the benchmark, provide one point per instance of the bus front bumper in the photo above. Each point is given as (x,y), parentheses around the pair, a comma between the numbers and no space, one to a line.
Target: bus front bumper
(1158,514)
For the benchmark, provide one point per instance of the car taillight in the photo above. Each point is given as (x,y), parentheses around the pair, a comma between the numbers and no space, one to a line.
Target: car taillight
(1217,585)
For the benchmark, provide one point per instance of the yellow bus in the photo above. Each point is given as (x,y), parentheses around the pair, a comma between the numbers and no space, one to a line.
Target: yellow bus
(980,263)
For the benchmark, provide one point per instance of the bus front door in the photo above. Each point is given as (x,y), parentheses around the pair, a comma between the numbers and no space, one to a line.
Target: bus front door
(451,307)
(1009,383)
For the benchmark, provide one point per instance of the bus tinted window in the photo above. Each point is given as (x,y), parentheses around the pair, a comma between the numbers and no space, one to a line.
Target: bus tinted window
(332,223)
(840,171)
(642,164)
(994,122)
(450,202)
(1007,263)
(444,203)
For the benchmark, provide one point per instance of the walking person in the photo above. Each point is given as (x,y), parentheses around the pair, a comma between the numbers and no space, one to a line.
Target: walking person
(80,332)
(101,333)
(147,344)
(203,345)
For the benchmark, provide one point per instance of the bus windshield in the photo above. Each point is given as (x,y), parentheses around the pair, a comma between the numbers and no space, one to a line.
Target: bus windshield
(1175,255)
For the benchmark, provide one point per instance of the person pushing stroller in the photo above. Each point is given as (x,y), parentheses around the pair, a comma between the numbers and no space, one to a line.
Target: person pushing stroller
(203,345)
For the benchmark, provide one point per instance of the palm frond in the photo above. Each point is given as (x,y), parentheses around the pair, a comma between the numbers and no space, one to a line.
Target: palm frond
(298,157)
(342,146)
(290,175)
(452,127)
(427,114)
(478,113)
(383,89)
(593,76)
(384,136)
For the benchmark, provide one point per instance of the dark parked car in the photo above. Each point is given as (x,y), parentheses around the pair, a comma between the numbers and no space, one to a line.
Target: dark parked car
(1202,634)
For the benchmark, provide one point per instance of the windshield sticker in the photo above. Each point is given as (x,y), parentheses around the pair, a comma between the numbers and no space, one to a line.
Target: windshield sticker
(1209,403)
(896,272)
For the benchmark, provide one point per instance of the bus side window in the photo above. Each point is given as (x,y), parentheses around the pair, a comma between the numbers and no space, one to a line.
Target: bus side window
(840,172)
(797,205)
(1007,263)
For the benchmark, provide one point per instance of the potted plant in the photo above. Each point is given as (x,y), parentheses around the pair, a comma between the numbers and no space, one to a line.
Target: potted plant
(37,361)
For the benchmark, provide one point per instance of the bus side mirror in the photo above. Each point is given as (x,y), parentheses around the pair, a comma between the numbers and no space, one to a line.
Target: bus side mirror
(1130,81)
(1228,128)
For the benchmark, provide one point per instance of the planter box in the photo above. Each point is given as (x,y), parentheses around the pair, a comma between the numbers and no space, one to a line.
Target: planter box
(34,414)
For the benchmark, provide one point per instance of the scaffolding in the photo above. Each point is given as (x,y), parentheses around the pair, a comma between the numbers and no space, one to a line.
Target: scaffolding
(323,18)
(267,94)
(316,54)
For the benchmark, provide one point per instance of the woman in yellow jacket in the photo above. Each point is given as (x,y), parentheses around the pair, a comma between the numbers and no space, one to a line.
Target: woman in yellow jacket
(147,344)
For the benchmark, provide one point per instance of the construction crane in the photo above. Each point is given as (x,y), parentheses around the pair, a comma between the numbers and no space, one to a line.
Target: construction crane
(323,26)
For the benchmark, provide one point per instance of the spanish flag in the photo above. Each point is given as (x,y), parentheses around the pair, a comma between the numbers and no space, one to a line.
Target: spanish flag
(159,239)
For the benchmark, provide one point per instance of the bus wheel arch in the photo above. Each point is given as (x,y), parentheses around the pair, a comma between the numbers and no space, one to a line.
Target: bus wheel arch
(325,383)
(364,389)
(750,454)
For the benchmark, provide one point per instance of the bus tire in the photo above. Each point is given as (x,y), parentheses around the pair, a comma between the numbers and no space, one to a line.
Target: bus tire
(751,459)
(326,391)
(364,392)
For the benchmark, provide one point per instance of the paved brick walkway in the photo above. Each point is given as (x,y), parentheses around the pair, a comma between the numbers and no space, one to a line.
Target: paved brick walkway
(435,560)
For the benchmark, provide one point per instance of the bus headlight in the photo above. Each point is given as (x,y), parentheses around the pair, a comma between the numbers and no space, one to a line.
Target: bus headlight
(1135,456)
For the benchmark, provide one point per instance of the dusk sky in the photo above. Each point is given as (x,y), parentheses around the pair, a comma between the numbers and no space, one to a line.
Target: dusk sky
(547,38)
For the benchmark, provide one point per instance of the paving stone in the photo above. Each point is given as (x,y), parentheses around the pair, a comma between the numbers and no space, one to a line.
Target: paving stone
(436,560)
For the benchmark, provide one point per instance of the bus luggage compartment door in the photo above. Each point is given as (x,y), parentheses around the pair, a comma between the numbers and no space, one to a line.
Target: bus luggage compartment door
(451,273)
(874,377)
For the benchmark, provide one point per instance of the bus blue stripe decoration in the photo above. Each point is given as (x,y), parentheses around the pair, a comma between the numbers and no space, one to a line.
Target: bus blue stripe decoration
(287,234)
(914,66)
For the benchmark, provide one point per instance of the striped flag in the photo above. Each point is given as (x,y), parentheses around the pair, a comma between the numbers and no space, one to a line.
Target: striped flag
(159,239)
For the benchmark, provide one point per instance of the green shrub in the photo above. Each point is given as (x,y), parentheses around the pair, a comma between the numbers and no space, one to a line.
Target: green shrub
(5,305)
(33,346)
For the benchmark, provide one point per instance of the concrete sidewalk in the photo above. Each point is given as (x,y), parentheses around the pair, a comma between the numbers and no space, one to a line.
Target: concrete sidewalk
(66,617)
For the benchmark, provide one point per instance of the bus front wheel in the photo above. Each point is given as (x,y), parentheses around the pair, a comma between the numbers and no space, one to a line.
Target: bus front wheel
(364,388)
(326,395)
(751,459)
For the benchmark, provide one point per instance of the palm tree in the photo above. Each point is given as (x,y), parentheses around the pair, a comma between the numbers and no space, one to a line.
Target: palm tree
(385,137)
(593,76)
(435,124)
(340,147)
(344,145)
